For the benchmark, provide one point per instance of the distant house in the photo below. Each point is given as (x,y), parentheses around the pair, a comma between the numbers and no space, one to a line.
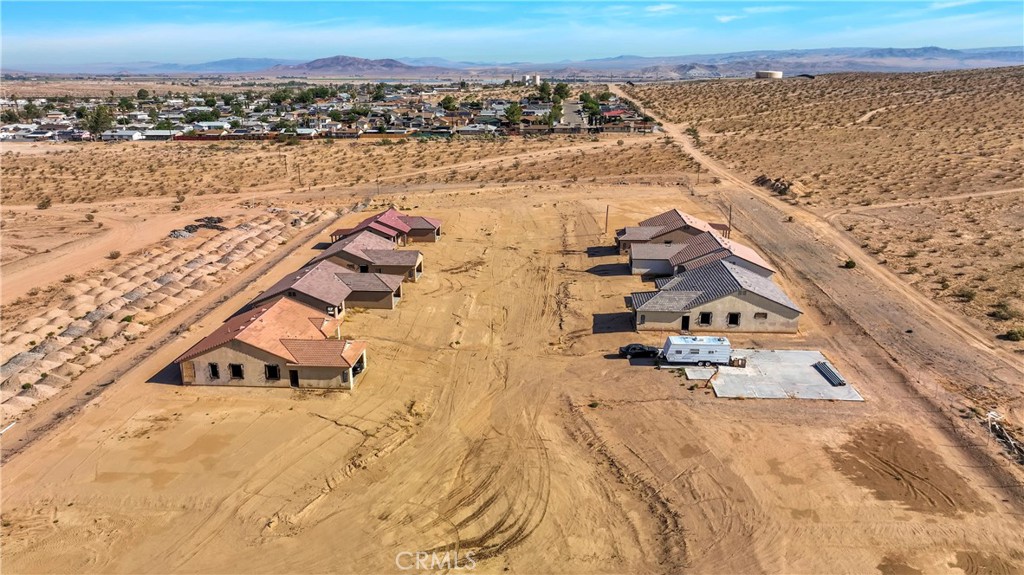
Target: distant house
(368,253)
(393,225)
(121,136)
(720,296)
(160,134)
(387,224)
(671,227)
(333,288)
(652,259)
(282,344)
(422,228)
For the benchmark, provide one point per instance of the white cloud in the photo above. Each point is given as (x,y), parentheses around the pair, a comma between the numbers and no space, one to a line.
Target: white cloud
(728,18)
(659,8)
(767,9)
(952,4)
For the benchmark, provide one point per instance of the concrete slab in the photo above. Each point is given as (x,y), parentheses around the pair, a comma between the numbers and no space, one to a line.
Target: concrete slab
(703,373)
(779,374)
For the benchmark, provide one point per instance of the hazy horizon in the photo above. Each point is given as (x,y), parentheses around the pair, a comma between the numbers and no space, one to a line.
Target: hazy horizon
(48,36)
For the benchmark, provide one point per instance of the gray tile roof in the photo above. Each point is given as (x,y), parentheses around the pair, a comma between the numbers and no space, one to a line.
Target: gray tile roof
(393,257)
(354,245)
(663,300)
(370,282)
(719,279)
(641,233)
(318,280)
(655,251)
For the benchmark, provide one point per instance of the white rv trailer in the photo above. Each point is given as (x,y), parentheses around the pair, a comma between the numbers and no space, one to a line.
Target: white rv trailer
(698,349)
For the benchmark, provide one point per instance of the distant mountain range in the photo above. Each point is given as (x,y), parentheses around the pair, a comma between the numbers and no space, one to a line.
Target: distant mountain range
(733,64)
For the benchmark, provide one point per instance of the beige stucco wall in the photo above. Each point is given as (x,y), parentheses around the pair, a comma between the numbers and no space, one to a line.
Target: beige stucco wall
(422,236)
(650,267)
(658,321)
(780,318)
(371,299)
(253,363)
(391,270)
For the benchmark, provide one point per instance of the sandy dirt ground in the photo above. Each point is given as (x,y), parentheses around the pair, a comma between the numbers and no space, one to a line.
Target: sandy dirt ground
(493,419)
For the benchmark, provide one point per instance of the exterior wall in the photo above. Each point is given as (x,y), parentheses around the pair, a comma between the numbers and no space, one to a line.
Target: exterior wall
(377,269)
(657,320)
(424,235)
(780,318)
(352,264)
(371,299)
(650,267)
(253,362)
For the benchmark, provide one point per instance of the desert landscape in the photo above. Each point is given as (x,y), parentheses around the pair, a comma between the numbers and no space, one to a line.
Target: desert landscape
(898,161)
(495,421)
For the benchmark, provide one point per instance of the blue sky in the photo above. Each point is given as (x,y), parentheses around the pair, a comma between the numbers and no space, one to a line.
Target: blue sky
(41,36)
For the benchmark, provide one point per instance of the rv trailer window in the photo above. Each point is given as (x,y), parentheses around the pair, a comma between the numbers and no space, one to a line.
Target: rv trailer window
(694,351)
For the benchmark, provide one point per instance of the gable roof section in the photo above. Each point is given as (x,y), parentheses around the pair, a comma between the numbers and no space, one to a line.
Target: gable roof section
(655,251)
(370,282)
(663,300)
(673,220)
(354,245)
(420,222)
(393,257)
(701,249)
(319,280)
(639,233)
(324,352)
(264,328)
(721,278)
(389,222)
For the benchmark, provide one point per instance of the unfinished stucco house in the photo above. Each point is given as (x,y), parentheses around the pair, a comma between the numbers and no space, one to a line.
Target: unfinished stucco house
(282,344)
(395,226)
(332,288)
(655,260)
(671,227)
(717,297)
(365,252)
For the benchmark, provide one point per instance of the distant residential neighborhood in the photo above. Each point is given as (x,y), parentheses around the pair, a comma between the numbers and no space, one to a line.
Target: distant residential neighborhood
(324,111)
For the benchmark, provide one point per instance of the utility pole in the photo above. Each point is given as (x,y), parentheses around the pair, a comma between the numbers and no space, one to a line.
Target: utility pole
(607,210)
(728,232)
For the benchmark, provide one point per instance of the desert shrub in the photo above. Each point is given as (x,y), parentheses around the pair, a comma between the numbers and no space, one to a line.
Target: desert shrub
(1015,334)
(89,217)
(965,294)
(850,264)
(113,255)
(44,203)
(1003,312)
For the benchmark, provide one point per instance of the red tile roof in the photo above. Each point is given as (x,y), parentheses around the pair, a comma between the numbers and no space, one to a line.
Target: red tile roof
(273,328)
